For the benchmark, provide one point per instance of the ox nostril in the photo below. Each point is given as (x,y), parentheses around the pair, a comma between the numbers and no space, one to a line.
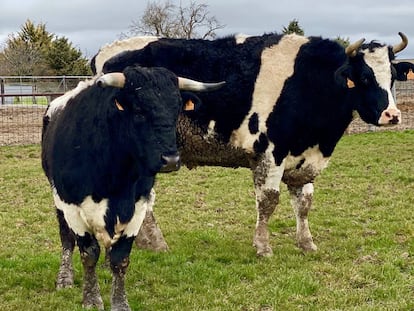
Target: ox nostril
(170,163)
(390,116)
(394,120)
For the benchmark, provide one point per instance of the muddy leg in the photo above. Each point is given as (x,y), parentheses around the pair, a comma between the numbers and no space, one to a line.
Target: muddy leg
(67,238)
(150,235)
(89,252)
(265,208)
(267,177)
(301,200)
(119,257)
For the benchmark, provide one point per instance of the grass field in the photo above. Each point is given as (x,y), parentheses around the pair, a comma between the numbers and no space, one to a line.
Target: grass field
(29,100)
(362,222)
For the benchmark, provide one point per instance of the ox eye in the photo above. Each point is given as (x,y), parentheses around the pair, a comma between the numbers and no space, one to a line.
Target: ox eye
(365,80)
(393,73)
(138,111)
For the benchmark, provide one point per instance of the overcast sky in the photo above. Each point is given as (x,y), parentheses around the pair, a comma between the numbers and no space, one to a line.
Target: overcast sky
(89,24)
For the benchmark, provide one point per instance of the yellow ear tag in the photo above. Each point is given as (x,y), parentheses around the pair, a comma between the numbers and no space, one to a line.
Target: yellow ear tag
(118,105)
(189,105)
(350,83)
(410,75)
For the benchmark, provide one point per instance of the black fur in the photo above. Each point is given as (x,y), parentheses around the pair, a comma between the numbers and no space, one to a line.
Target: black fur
(208,61)
(254,123)
(91,148)
(315,106)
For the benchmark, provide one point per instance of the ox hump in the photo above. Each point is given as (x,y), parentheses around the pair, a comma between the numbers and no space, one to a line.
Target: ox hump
(108,51)
(60,102)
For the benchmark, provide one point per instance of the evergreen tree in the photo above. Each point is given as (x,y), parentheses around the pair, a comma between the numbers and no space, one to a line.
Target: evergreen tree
(64,59)
(294,27)
(35,51)
(342,41)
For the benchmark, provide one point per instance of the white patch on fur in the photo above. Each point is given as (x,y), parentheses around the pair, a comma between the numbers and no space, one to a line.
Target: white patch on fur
(151,200)
(133,226)
(116,47)
(274,173)
(89,217)
(307,189)
(210,130)
(241,38)
(379,62)
(277,65)
(61,101)
(313,158)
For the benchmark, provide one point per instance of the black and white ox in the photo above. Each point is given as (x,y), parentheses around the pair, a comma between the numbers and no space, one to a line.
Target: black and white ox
(102,145)
(287,101)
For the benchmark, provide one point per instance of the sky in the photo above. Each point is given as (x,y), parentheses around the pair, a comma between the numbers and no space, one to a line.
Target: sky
(90,24)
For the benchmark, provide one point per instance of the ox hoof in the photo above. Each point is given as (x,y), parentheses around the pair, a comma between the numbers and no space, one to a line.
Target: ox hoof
(120,307)
(89,306)
(153,243)
(264,254)
(308,247)
(64,281)
(264,251)
(150,236)
(93,302)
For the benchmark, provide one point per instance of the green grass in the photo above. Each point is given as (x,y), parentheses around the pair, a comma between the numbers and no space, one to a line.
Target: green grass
(28,100)
(362,222)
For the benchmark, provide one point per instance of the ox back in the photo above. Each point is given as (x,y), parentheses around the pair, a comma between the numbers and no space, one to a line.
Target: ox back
(287,75)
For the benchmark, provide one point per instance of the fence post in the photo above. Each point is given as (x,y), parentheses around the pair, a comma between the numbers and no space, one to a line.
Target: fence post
(2,90)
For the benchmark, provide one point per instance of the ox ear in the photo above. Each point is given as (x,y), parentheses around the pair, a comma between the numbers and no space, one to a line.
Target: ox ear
(343,77)
(191,103)
(404,71)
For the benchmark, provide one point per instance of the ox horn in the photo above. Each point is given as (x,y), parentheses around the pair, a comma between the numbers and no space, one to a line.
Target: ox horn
(192,85)
(402,45)
(114,79)
(351,49)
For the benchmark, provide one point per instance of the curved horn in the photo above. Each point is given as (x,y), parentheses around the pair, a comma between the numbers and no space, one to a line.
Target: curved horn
(352,48)
(402,45)
(114,79)
(192,85)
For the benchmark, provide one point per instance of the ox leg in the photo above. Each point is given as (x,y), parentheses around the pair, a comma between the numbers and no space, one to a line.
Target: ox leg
(150,235)
(301,200)
(265,205)
(67,238)
(89,252)
(119,261)
(267,177)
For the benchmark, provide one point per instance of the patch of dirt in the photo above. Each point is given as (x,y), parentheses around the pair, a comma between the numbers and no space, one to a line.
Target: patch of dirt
(20,125)
(407,115)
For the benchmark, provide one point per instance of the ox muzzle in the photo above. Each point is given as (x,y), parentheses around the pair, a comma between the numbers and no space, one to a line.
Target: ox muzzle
(171,163)
(390,116)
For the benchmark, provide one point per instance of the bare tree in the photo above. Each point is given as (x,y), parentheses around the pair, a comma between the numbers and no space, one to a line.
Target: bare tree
(170,21)
(156,20)
(22,59)
(194,17)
